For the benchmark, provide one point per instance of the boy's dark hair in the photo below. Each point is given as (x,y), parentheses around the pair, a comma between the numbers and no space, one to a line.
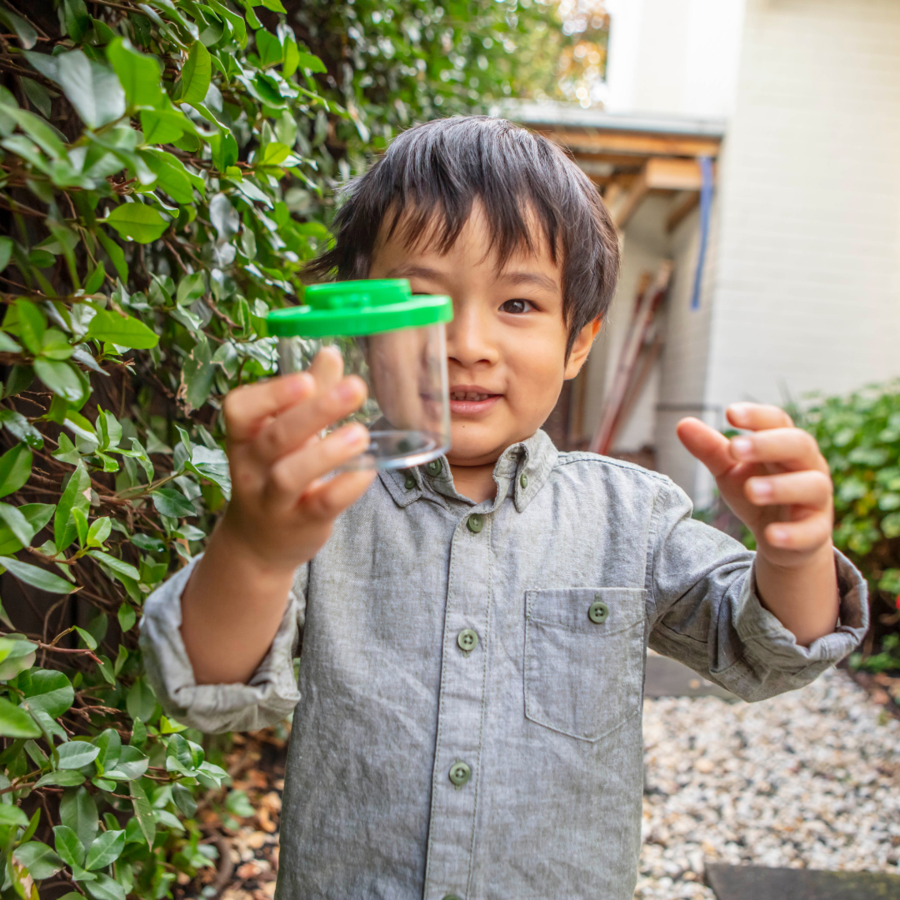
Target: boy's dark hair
(431,175)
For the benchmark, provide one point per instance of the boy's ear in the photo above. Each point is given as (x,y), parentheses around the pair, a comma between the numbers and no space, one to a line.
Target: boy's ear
(582,347)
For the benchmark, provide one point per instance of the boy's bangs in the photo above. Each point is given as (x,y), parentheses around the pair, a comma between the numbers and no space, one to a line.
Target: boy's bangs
(512,227)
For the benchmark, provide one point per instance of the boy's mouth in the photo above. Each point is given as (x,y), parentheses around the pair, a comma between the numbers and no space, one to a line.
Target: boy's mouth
(470,399)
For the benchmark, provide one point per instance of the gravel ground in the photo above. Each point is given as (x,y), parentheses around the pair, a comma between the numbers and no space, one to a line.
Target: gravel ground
(808,779)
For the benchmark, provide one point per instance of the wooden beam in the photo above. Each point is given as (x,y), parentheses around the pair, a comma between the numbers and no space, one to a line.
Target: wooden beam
(645,143)
(682,208)
(623,209)
(674,174)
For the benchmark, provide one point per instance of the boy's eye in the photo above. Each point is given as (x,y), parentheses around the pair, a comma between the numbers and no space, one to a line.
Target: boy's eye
(517,306)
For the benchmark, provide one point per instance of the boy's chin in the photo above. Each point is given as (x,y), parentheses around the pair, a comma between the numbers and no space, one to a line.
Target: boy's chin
(474,446)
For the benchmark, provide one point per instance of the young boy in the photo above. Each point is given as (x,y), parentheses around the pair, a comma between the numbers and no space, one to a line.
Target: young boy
(467,720)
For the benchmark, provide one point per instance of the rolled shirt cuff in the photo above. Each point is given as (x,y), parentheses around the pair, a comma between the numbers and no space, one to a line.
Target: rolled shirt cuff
(268,697)
(770,645)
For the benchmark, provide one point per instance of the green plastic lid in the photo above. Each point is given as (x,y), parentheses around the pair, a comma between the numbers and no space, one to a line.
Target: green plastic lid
(359,307)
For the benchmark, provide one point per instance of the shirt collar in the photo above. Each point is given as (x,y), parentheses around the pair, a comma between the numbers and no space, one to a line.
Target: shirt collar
(522,470)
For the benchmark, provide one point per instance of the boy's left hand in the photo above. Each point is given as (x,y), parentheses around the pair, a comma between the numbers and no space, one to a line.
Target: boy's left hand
(775,479)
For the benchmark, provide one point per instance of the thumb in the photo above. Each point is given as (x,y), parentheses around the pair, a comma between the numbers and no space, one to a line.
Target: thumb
(711,447)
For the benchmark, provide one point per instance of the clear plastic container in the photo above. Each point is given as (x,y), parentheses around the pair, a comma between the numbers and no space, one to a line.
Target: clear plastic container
(395,342)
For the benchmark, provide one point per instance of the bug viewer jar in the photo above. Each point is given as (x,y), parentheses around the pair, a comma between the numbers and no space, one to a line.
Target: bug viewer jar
(395,342)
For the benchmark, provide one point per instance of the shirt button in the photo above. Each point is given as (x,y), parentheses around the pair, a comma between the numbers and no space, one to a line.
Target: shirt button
(460,774)
(598,612)
(410,482)
(523,480)
(467,640)
(475,523)
(434,468)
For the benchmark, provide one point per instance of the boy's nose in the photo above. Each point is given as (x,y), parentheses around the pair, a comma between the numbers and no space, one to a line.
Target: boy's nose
(469,340)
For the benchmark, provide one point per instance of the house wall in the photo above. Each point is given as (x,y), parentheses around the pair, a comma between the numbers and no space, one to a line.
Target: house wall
(807,288)
(675,57)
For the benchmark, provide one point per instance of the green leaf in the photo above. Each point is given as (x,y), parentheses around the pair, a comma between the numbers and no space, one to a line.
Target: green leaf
(75,496)
(24,32)
(15,469)
(143,812)
(89,640)
(141,701)
(127,617)
(66,840)
(78,811)
(273,154)
(136,222)
(39,859)
(62,778)
(95,280)
(196,74)
(274,5)
(138,74)
(21,428)
(76,19)
(55,345)
(17,523)
(12,815)
(106,849)
(76,754)
(170,175)
(61,378)
(32,324)
(125,331)
(98,532)
(15,722)
(92,89)
(132,764)
(39,578)
(47,693)
(6,246)
(114,252)
(169,502)
(117,565)
(162,126)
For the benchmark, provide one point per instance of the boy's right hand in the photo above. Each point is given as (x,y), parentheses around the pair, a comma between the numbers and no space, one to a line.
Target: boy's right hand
(281,510)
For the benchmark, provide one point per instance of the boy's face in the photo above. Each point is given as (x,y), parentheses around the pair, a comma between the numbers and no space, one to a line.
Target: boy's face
(506,345)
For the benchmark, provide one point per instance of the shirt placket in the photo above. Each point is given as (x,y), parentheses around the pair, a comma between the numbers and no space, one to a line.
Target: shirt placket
(457,768)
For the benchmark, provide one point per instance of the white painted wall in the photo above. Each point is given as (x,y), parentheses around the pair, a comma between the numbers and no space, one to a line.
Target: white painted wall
(807,293)
(677,57)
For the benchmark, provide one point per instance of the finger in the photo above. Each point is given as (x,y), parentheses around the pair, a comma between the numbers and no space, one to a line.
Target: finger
(790,447)
(288,432)
(803,535)
(328,500)
(246,409)
(327,368)
(294,473)
(757,416)
(708,445)
(810,488)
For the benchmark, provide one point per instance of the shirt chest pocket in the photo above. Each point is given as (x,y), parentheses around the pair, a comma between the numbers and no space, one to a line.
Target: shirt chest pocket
(584,659)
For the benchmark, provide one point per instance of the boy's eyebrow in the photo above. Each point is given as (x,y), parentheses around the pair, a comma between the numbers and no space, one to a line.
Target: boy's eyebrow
(535,278)
(409,271)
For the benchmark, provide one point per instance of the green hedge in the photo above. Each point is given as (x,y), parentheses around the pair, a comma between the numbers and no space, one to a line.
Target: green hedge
(167,168)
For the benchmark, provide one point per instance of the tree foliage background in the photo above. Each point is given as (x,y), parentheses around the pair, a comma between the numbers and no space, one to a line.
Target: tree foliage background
(166,169)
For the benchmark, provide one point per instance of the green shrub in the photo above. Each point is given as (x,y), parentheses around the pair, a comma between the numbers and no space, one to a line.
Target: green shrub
(859,435)
(165,172)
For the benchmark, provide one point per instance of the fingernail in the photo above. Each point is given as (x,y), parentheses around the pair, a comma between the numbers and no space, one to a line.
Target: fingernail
(356,434)
(761,489)
(346,390)
(778,536)
(738,409)
(742,446)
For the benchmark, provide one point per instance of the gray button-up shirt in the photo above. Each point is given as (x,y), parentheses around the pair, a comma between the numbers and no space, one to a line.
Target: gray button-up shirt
(419,768)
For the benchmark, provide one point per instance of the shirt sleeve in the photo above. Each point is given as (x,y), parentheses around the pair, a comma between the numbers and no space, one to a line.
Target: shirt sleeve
(268,696)
(707,613)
